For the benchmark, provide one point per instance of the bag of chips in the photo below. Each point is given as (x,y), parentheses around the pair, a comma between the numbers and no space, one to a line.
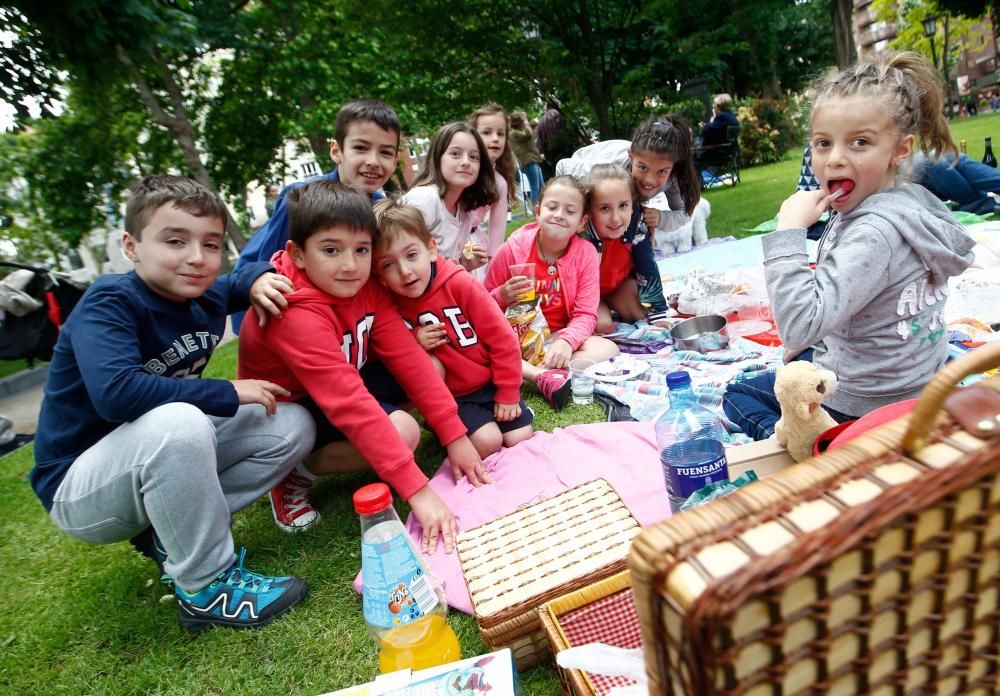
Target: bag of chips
(531,328)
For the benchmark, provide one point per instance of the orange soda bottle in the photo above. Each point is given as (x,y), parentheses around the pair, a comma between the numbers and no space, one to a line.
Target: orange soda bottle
(404,607)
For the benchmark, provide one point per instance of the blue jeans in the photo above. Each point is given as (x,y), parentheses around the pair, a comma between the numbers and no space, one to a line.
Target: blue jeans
(534,173)
(966,183)
(753,406)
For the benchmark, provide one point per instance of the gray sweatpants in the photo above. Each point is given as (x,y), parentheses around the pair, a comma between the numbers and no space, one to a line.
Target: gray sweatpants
(185,473)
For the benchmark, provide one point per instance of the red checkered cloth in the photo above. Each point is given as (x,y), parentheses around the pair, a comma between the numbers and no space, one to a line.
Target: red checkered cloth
(612,621)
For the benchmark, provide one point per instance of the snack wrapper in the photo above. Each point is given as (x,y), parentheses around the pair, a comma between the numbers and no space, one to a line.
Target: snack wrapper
(718,489)
(531,328)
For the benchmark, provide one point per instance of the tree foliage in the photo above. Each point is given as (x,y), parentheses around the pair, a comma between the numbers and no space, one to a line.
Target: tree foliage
(214,88)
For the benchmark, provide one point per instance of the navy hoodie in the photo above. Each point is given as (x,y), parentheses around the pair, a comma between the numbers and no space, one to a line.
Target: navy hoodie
(124,351)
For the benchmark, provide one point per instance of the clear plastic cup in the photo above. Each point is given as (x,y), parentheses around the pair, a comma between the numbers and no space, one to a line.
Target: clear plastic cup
(582,382)
(528,271)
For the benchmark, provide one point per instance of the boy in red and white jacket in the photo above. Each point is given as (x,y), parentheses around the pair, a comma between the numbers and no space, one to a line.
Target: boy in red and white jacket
(456,322)
(318,350)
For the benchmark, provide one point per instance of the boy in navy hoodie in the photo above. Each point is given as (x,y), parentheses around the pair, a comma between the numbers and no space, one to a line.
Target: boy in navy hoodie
(458,323)
(131,445)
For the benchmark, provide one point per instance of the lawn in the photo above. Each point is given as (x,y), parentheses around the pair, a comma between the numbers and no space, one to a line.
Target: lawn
(89,619)
(81,619)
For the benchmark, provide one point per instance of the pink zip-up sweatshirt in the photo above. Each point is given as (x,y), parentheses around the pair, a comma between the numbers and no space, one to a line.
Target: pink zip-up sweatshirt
(579,273)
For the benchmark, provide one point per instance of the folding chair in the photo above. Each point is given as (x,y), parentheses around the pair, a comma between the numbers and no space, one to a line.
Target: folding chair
(719,165)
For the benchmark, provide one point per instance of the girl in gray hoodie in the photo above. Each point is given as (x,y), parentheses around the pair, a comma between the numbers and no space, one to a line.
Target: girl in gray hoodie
(872,311)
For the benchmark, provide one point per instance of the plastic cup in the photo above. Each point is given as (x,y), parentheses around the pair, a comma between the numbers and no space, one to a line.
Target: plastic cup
(582,383)
(528,271)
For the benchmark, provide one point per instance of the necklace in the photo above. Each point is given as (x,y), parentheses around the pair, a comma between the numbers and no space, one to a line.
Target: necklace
(552,262)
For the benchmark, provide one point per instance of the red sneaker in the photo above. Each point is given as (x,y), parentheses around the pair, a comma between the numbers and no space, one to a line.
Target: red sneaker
(554,386)
(290,503)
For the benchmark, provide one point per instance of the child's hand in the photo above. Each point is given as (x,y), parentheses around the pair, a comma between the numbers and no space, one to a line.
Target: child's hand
(465,461)
(651,216)
(557,355)
(803,208)
(267,295)
(514,288)
(430,336)
(506,412)
(477,256)
(258,391)
(435,518)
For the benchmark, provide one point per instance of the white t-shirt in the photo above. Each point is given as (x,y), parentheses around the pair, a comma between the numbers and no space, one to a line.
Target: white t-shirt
(451,232)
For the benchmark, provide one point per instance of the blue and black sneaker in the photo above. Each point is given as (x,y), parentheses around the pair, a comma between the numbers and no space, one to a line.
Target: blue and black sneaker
(148,544)
(239,598)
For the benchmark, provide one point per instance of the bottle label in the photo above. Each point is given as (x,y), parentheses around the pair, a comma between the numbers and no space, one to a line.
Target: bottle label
(690,466)
(395,589)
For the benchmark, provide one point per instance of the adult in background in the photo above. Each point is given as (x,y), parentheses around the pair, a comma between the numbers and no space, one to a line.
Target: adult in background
(553,140)
(715,132)
(529,159)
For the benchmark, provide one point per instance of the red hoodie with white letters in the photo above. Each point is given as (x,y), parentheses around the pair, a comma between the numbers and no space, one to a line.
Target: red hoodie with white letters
(317,348)
(482,347)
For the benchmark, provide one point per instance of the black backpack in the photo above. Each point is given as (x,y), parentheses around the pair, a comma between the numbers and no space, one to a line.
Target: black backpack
(33,336)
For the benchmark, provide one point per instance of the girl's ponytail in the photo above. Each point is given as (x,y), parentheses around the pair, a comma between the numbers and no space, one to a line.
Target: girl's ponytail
(670,135)
(931,125)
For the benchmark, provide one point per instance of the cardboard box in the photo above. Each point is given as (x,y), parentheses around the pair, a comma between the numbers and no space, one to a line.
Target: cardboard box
(492,673)
(765,457)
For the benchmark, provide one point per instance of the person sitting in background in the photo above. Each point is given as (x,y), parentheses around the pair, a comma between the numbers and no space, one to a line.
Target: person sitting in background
(716,131)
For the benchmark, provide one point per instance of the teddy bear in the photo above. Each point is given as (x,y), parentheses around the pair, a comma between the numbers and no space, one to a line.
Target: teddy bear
(801,387)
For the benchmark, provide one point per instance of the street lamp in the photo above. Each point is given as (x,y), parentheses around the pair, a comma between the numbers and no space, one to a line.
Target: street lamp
(930,29)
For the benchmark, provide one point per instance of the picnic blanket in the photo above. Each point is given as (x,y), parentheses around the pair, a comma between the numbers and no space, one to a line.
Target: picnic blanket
(624,454)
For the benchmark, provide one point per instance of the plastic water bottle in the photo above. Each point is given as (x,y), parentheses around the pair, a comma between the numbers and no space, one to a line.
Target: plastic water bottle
(689,438)
(404,607)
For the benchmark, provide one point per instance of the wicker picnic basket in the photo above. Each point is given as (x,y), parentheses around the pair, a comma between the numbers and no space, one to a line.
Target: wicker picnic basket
(872,569)
(602,612)
(515,563)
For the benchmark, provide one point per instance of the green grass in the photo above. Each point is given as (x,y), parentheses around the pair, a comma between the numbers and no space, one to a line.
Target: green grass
(9,367)
(88,619)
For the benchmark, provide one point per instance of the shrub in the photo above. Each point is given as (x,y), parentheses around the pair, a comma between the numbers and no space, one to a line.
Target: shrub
(692,109)
(767,130)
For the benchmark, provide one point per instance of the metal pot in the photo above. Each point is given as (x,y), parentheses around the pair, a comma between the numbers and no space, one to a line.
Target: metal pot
(701,334)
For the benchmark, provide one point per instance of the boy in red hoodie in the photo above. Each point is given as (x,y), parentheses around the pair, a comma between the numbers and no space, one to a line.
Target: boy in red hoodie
(461,327)
(318,350)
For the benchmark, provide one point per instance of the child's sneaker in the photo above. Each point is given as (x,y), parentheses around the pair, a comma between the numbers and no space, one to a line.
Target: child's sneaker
(239,598)
(554,386)
(148,544)
(290,502)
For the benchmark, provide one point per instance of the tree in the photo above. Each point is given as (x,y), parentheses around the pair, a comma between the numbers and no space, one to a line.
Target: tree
(154,47)
(841,12)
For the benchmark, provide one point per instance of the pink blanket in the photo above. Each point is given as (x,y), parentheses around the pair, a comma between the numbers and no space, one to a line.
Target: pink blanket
(549,463)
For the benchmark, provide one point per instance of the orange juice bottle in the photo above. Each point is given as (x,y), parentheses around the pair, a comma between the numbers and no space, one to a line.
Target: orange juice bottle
(404,607)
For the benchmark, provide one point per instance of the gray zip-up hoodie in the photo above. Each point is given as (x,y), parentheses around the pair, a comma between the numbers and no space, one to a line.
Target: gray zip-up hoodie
(873,308)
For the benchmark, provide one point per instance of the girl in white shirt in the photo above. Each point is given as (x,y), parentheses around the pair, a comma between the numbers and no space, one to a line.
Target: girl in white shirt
(457,178)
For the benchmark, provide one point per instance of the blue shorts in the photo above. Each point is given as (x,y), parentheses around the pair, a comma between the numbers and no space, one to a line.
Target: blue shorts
(476,410)
(380,384)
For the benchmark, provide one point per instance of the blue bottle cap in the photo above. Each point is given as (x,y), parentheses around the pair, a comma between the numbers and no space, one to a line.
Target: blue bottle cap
(677,380)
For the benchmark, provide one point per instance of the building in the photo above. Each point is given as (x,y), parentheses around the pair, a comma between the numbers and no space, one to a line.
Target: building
(976,69)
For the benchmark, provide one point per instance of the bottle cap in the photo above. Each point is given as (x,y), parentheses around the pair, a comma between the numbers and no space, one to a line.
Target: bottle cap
(375,497)
(676,380)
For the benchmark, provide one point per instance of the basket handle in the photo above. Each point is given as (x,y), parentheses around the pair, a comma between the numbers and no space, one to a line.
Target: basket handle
(944,382)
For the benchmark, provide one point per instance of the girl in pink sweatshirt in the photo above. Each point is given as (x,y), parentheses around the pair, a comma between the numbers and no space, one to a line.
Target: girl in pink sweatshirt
(566,282)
